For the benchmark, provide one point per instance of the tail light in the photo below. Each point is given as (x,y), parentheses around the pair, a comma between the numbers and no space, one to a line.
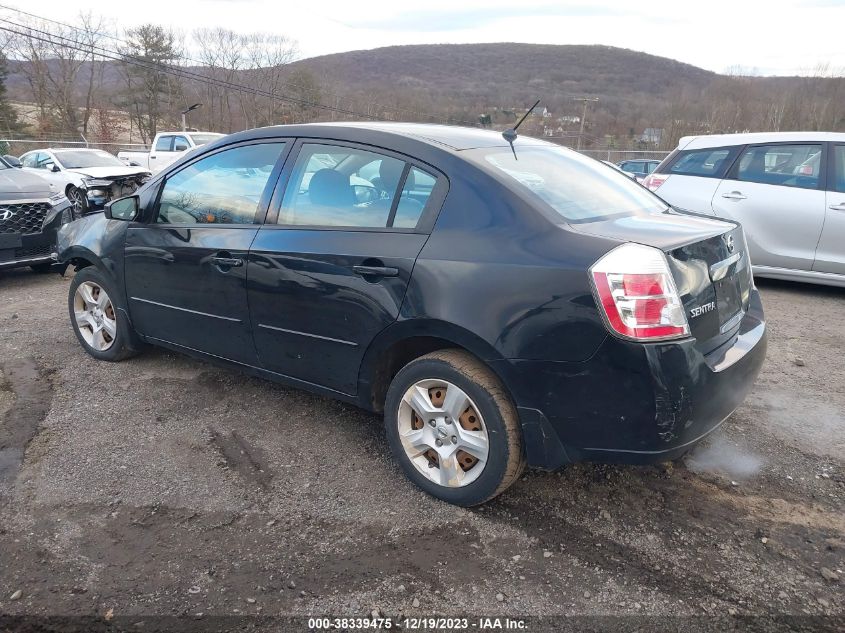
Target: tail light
(637,294)
(653,181)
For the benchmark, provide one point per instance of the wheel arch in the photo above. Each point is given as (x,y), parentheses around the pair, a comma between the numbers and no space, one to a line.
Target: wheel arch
(404,341)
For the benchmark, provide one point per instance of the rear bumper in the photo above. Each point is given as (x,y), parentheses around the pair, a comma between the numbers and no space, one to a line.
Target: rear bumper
(632,402)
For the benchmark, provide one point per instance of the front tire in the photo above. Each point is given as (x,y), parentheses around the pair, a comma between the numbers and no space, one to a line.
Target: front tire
(453,428)
(101,328)
(78,200)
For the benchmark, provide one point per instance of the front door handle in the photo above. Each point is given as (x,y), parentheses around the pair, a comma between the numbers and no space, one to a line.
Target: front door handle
(734,195)
(375,271)
(228,262)
(838,207)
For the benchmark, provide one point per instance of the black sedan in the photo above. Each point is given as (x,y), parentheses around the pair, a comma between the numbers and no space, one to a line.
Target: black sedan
(502,304)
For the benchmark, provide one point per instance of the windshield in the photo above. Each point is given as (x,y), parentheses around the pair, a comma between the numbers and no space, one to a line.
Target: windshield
(578,188)
(202,139)
(80,159)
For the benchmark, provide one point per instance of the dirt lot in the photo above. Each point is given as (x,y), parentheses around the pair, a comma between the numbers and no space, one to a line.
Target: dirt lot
(166,486)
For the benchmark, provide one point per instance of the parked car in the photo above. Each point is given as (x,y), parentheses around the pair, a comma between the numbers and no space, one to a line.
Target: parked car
(500,305)
(167,148)
(619,169)
(786,188)
(639,167)
(88,177)
(31,212)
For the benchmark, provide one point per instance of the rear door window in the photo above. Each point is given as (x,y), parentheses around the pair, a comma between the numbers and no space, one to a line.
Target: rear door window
(338,186)
(712,162)
(785,165)
(839,168)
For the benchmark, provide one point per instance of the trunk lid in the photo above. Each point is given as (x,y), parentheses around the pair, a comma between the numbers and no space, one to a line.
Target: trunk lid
(708,261)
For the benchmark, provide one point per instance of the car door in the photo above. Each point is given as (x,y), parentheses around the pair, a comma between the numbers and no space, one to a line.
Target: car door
(185,265)
(161,153)
(689,180)
(329,269)
(830,254)
(776,192)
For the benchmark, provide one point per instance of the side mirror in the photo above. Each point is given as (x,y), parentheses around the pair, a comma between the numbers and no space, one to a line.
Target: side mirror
(125,209)
(55,168)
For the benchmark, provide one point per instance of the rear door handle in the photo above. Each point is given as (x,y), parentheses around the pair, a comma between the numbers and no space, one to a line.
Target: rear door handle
(734,195)
(228,262)
(375,271)
(838,207)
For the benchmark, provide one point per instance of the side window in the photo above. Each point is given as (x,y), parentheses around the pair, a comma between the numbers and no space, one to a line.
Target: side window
(711,162)
(164,143)
(785,165)
(29,160)
(415,195)
(224,188)
(340,186)
(180,144)
(839,167)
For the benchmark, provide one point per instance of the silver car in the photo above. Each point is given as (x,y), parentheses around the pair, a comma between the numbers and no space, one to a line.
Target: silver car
(786,188)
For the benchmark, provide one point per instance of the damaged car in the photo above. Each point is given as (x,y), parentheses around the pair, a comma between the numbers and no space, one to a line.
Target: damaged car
(501,301)
(88,177)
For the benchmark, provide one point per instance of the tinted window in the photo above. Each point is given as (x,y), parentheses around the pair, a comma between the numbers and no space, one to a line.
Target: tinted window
(163,144)
(415,195)
(839,167)
(180,144)
(223,188)
(703,162)
(341,186)
(580,189)
(786,165)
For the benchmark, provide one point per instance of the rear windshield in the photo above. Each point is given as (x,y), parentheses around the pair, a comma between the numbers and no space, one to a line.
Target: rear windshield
(578,188)
(203,139)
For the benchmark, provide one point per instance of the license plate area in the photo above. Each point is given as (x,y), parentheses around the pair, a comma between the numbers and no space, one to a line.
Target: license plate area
(10,241)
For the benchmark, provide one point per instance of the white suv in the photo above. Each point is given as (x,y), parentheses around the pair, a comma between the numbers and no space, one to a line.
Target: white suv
(786,188)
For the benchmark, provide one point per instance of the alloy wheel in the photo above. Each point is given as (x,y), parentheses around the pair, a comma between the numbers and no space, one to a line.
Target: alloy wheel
(95,316)
(443,433)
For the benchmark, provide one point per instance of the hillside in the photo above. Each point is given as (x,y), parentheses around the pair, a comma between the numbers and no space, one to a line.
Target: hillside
(505,74)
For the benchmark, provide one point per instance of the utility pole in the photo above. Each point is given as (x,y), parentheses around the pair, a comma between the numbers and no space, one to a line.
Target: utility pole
(586,101)
(185,111)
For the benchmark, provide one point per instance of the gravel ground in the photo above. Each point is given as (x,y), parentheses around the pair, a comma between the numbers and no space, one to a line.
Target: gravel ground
(169,487)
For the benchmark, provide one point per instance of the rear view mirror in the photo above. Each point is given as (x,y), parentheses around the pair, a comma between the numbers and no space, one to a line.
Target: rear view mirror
(125,209)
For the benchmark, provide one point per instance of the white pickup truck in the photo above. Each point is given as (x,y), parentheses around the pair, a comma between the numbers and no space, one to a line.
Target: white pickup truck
(167,148)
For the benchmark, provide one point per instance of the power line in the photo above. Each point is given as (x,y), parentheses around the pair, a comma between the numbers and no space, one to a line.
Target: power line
(207,80)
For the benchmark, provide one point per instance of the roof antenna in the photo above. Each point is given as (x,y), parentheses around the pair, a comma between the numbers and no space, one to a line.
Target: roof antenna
(510,134)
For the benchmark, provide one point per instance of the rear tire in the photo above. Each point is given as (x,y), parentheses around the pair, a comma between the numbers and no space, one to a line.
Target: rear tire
(100,326)
(451,397)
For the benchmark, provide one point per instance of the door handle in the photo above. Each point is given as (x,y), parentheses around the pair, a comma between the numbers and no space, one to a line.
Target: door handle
(228,262)
(837,207)
(375,271)
(734,195)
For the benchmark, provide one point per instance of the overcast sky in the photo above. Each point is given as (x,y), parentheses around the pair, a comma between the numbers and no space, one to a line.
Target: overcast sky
(766,37)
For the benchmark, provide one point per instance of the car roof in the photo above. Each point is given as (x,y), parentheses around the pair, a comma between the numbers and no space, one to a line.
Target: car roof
(445,136)
(748,138)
